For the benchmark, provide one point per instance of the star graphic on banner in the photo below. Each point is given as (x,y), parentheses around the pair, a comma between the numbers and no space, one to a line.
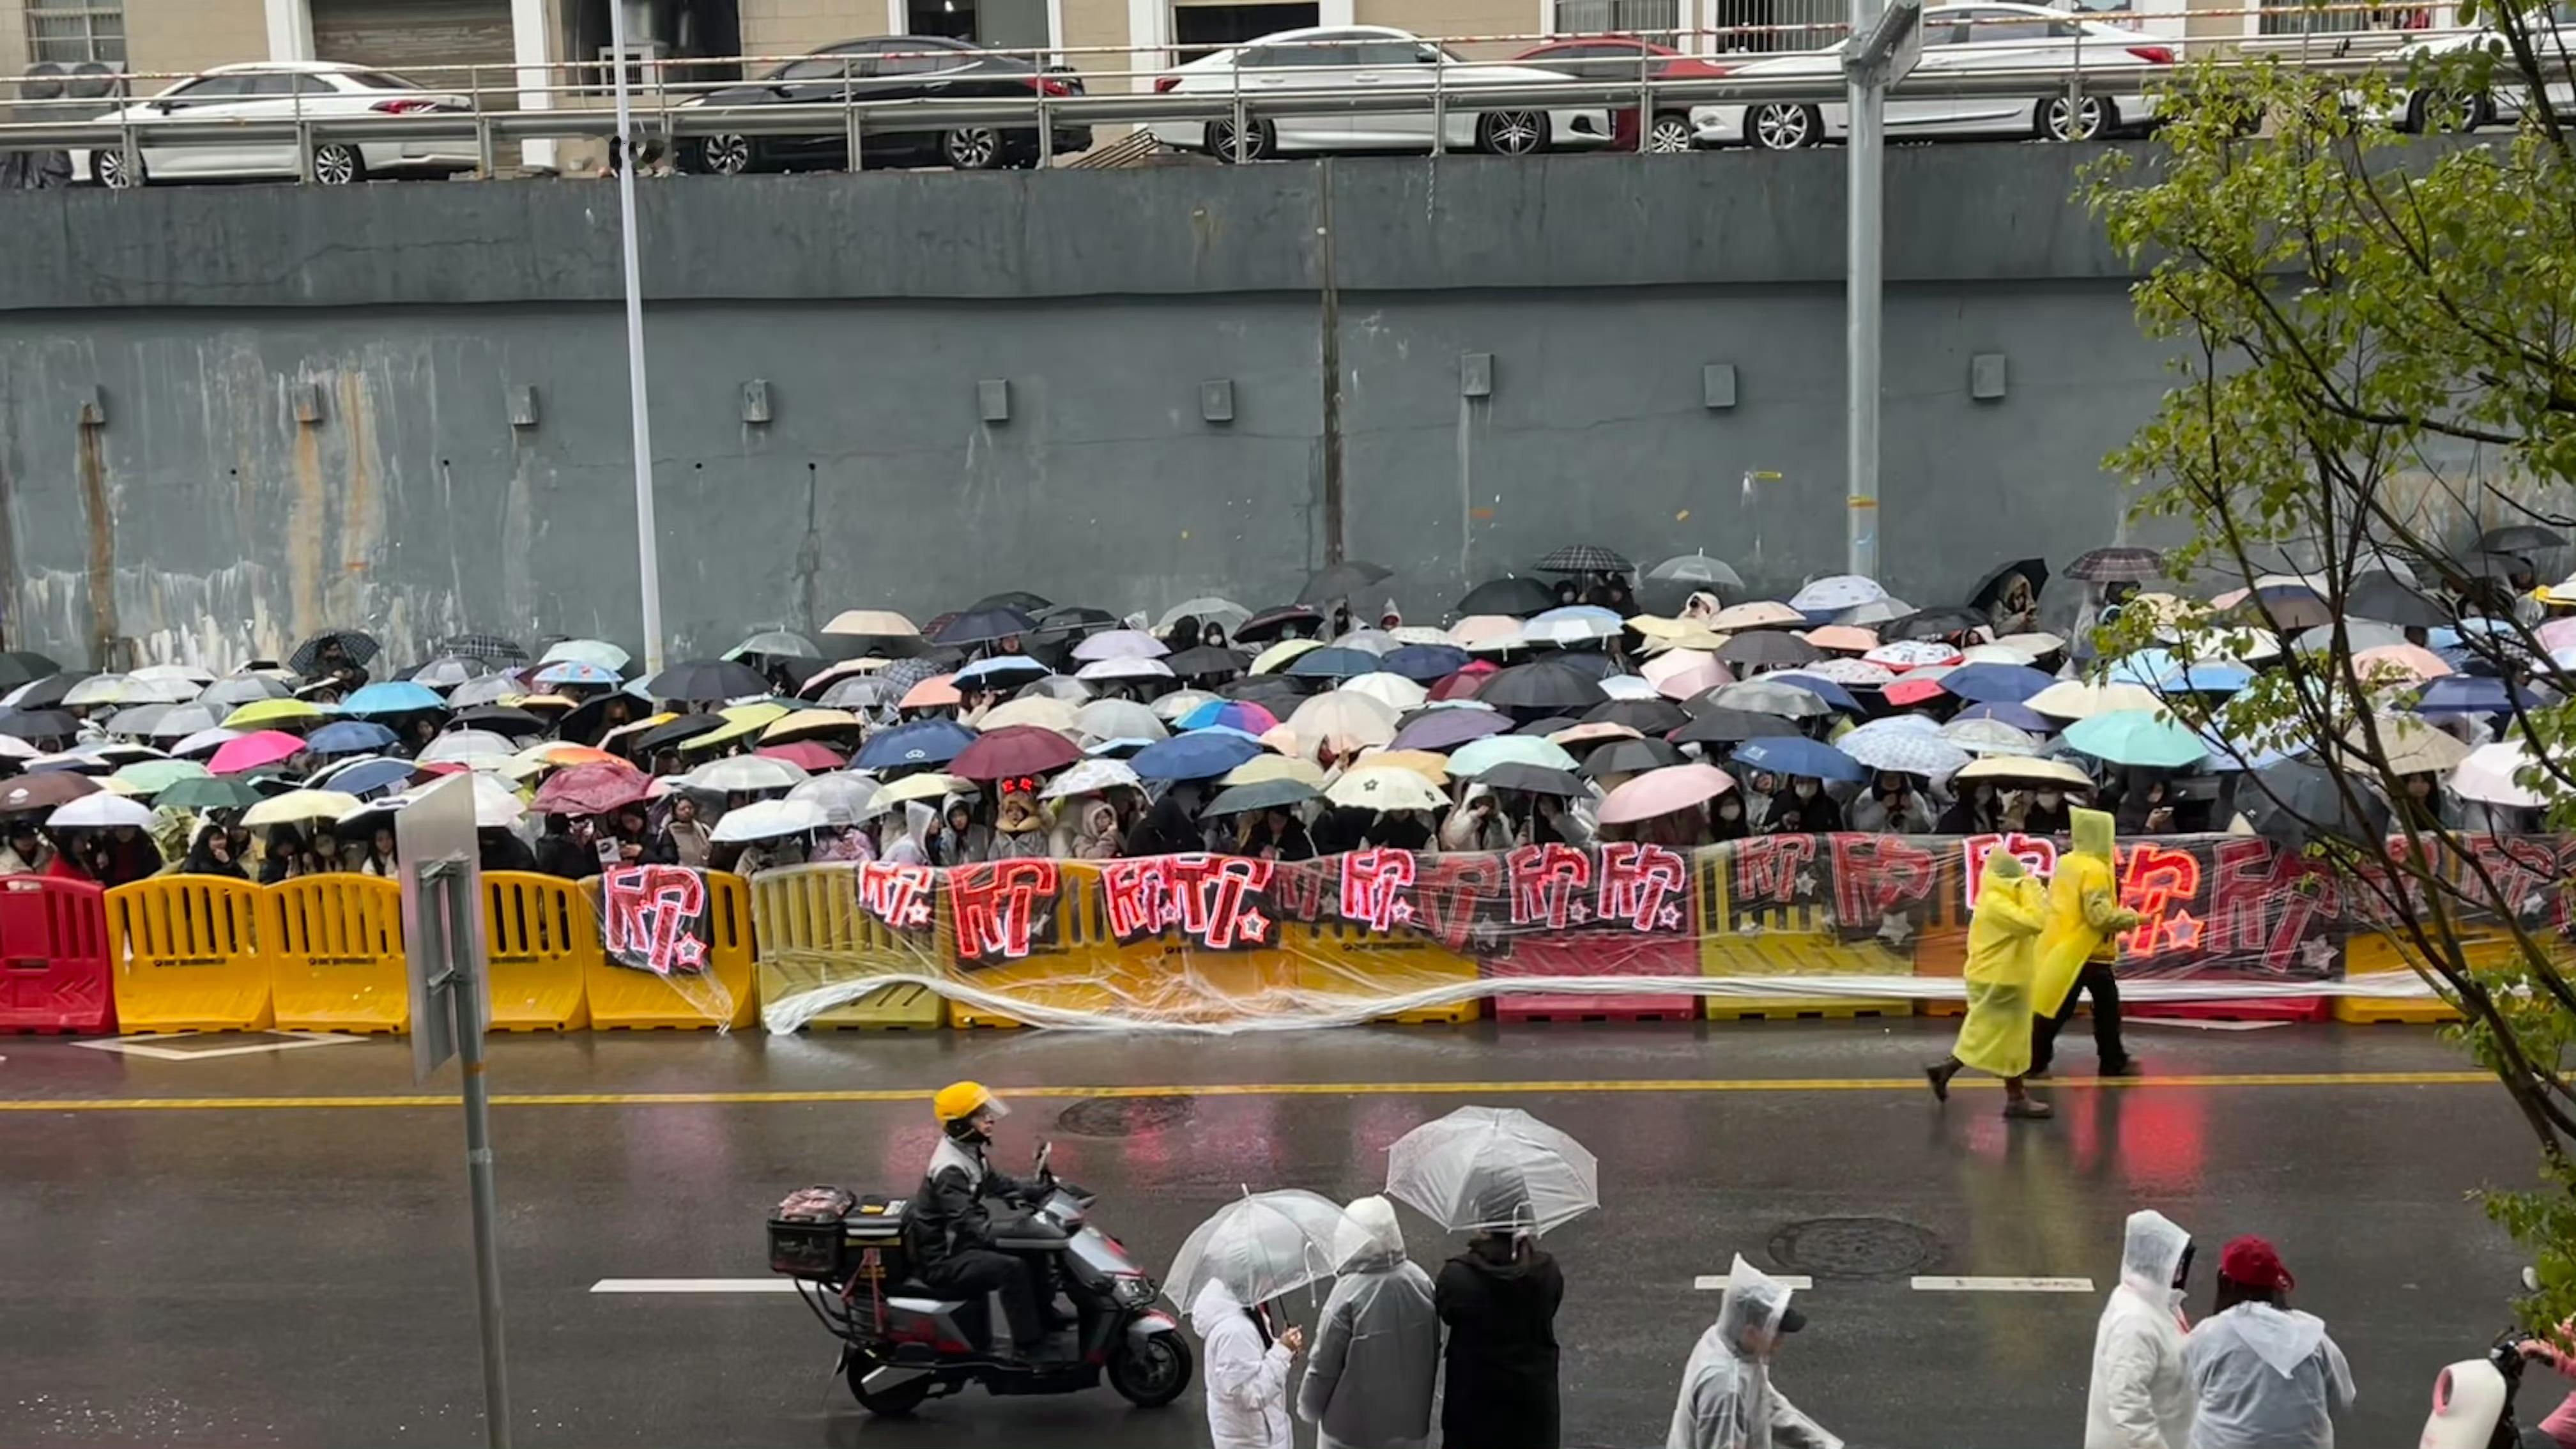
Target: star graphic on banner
(2317,955)
(1402,914)
(2182,932)
(1669,918)
(917,915)
(1805,885)
(1578,913)
(1253,926)
(1895,930)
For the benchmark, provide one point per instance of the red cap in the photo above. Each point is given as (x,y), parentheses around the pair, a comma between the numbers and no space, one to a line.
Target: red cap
(2253,1262)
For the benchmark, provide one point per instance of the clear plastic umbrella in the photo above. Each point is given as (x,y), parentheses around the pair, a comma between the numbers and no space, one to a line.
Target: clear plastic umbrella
(1260,1247)
(1493,1168)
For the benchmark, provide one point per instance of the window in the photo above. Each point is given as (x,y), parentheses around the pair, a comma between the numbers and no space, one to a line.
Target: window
(830,67)
(1200,29)
(210,88)
(1306,53)
(1655,20)
(1393,53)
(377,80)
(72,31)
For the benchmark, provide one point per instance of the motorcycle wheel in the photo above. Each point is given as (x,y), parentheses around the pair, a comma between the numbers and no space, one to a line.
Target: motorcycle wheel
(1152,1371)
(894,1403)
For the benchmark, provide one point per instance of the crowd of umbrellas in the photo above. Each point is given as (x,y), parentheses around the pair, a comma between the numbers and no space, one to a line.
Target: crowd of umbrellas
(1587,700)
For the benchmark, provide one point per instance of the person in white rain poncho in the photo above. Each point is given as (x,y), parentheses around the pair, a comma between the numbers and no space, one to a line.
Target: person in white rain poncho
(1377,1348)
(2264,1375)
(2140,1398)
(1727,1399)
(1246,1371)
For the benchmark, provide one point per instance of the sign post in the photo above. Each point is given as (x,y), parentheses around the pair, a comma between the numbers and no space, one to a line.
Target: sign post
(451,1009)
(1886,40)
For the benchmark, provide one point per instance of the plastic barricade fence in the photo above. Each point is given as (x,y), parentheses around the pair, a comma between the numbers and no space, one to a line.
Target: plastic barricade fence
(811,933)
(336,953)
(185,950)
(2372,951)
(53,956)
(541,936)
(1787,941)
(1340,959)
(628,999)
(1072,962)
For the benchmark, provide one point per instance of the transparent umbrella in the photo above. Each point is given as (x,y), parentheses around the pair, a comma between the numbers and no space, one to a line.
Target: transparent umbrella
(1261,1246)
(1493,1167)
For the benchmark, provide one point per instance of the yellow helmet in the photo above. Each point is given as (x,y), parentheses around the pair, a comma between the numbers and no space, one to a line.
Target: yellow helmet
(960,1100)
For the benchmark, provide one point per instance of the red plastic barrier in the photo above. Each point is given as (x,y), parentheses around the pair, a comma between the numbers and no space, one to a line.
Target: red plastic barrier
(53,957)
(2251,1008)
(1596,956)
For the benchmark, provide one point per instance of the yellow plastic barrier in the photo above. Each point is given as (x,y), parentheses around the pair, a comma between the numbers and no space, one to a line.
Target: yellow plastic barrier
(186,953)
(1081,970)
(335,950)
(622,998)
(812,932)
(540,933)
(1334,958)
(1790,941)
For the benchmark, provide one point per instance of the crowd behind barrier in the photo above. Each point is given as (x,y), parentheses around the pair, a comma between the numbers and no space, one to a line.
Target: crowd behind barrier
(1782,925)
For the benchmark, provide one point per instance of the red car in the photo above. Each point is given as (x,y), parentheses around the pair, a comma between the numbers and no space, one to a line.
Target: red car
(1616,57)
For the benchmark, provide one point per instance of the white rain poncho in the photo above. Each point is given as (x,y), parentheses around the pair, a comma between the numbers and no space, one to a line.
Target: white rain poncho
(1727,1399)
(2265,1378)
(2140,1398)
(1247,1385)
(1377,1347)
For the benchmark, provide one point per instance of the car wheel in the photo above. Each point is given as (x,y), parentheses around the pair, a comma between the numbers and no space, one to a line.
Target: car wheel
(108,169)
(1670,135)
(972,148)
(1512,133)
(337,163)
(1785,126)
(726,154)
(1259,141)
(2058,122)
(2436,112)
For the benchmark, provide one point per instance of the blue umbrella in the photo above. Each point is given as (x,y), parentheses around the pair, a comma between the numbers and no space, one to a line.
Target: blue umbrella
(2137,737)
(349,737)
(1233,714)
(2019,716)
(1001,667)
(2475,694)
(1423,663)
(1446,729)
(394,696)
(1996,683)
(1830,691)
(2223,752)
(1798,755)
(2146,668)
(2208,677)
(365,777)
(1198,755)
(922,742)
(1331,663)
(575,671)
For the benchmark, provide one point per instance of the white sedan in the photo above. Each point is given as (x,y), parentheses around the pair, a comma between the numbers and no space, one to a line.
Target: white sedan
(281,91)
(2417,107)
(1959,38)
(1367,57)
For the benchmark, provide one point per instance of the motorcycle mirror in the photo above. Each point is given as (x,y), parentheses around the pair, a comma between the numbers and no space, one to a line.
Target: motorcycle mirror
(1045,1151)
(2530,1279)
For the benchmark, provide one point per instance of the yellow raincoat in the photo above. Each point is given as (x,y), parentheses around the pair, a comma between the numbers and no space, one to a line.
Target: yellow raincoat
(2003,940)
(2084,912)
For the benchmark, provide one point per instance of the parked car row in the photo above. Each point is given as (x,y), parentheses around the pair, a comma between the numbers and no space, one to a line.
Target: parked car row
(280,91)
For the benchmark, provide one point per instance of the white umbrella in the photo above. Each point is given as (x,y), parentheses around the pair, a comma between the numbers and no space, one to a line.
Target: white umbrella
(1990,737)
(460,746)
(1891,745)
(1035,709)
(1877,611)
(1120,644)
(872,622)
(1207,609)
(2075,699)
(844,799)
(1837,591)
(588,651)
(1697,568)
(1349,722)
(1119,719)
(745,772)
(1371,641)
(496,805)
(1129,668)
(1392,690)
(14,748)
(1259,1246)
(100,809)
(1493,1168)
(485,689)
(768,819)
(2488,775)
(1089,777)
(1171,706)
(1628,686)
(1385,787)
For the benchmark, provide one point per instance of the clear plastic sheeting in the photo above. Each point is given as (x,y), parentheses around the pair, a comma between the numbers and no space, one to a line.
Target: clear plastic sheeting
(1225,943)
(664,921)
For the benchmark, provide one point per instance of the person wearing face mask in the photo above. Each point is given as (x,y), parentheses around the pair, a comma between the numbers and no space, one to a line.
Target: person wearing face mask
(1814,810)
(2140,1397)
(1726,819)
(1728,1400)
(2044,811)
(1893,806)
(1979,810)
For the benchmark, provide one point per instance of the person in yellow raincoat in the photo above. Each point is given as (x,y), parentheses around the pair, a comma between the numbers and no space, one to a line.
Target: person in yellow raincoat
(2003,956)
(2081,945)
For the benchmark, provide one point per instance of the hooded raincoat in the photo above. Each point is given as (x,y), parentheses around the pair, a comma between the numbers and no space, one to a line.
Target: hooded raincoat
(1247,1383)
(1502,1349)
(2003,955)
(2140,1397)
(1727,1399)
(2265,1378)
(2084,911)
(1377,1349)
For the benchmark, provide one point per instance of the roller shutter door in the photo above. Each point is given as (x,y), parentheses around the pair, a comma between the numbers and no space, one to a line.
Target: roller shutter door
(401,35)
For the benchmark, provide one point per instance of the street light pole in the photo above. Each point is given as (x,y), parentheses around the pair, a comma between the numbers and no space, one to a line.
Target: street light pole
(647,547)
(1866,98)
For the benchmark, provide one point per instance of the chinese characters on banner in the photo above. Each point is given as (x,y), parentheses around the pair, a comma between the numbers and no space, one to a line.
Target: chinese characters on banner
(654,918)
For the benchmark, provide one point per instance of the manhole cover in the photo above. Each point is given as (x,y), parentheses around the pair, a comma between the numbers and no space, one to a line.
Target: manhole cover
(1123,1116)
(1854,1248)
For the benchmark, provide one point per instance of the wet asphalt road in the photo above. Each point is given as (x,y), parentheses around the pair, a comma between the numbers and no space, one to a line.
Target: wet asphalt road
(265,1274)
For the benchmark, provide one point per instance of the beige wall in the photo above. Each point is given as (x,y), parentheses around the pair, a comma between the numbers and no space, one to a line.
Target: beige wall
(793,27)
(13,38)
(1455,17)
(1096,22)
(186,35)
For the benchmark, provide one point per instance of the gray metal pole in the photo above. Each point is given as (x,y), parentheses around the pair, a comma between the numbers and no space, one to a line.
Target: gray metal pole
(478,1158)
(1867,96)
(648,556)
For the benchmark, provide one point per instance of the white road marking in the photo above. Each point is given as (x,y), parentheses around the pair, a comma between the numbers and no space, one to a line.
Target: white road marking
(2002,1285)
(143,1046)
(1716,1282)
(2197,1024)
(694,1285)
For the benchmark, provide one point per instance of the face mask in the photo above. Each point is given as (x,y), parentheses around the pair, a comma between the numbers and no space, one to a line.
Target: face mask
(1806,789)
(2050,799)
(1730,811)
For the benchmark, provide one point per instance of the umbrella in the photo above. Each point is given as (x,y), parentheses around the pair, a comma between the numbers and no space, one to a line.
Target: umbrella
(1834,695)
(809,723)
(1515,595)
(2295,804)
(251,751)
(1282,767)
(297,806)
(1717,726)
(872,624)
(1584,558)
(1206,660)
(1629,757)
(928,785)
(1090,777)
(48,790)
(488,689)
(1331,663)
(1272,794)
(1035,709)
(1279,655)
(1120,644)
(1175,705)
(1392,690)
(1014,750)
(1477,756)
(811,755)
(123,689)
(94,811)
(2075,700)
(939,691)
(2117,566)
(2136,737)
(2358,635)
(1573,624)
(1646,716)
(1385,787)
(769,819)
(1342,581)
(1535,780)
(1996,683)
(1447,729)
(394,696)
(1989,590)
(459,746)
(574,671)
(483,649)
(134,721)
(985,625)
(1835,593)
(1931,624)
(37,724)
(2410,746)
(744,773)
(2454,694)
(1004,671)
(1769,696)
(1272,623)
(1020,599)
(2521,538)
(498,719)
(1895,746)
(1547,687)
(151,777)
(194,794)
(357,650)
(49,690)
(1116,669)
(363,777)
(1768,648)
(21,666)
(1760,614)
(921,742)
(774,644)
(1347,722)
(1232,714)
(1664,791)
(706,679)
(2010,770)
(1990,737)
(2489,774)
(1208,609)
(588,651)
(669,735)
(2019,716)
(2414,663)
(1846,638)
(271,713)
(1198,755)
(1260,1246)
(1119,719)
(1796,755)
(2386,599)
(845,800)
(350,737)
(1493,1169)
(1698,570)
(1849,673)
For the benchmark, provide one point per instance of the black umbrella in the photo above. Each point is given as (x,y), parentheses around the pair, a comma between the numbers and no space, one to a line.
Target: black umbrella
(37,724)
(1279,623)
(1990,587)
(985,625)
(2293,804)
(664,736)
(490,648)
(1532,779)
(1629,757)
(1342,581)
(501,719)
(1260,795)
(1586,662)
(1584,558)
(1020,599)
(1515,594)
(707,679)
(586,722)
(1206,660)
(1546,725)
(19,666)
(1276,693)
(356,650)
(1718,725)
(2118,566)
(2521,538)
(1930,624)
(1768,648)
(1548,687)
(2286,608)
(2387,599)
(47,692)
(1645,716)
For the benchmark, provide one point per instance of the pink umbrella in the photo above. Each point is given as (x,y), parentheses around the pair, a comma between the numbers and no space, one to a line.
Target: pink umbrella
(1847,638)
(806,753)
(1661,792)
(2412,659)
(1681,673)
(2557,634)
(250,751)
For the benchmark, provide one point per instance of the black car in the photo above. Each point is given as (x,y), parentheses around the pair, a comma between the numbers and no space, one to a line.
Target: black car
(887,68)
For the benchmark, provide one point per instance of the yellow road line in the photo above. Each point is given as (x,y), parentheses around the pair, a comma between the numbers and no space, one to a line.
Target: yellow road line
(1239,1089)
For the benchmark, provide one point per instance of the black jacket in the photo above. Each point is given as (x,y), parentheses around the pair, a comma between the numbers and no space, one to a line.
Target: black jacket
(503,850)
(1501,1351)
(950,1213)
